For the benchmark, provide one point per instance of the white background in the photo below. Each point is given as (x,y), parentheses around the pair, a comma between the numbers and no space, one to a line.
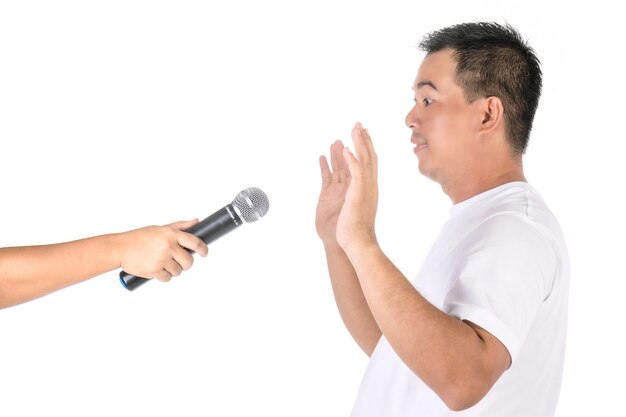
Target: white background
(120,114)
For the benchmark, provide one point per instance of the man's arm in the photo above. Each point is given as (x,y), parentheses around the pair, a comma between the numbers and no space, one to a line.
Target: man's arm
(350,300)
(458,360)
(158,252)
(351,303)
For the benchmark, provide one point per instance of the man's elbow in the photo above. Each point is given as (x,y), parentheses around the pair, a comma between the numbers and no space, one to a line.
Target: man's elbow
(460,403)
(459,398)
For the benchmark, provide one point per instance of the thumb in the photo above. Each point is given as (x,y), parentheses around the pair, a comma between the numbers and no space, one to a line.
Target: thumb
(183,224)
(351,161)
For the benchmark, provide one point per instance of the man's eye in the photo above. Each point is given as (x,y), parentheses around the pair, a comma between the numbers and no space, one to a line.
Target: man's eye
(428,101)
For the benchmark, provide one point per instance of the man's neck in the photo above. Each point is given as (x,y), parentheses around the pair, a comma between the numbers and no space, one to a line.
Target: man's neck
(476,183)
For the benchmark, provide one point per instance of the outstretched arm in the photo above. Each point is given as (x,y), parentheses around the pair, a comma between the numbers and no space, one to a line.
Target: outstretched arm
(158,252)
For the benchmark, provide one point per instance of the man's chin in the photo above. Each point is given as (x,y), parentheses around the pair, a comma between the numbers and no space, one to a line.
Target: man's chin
(427,171)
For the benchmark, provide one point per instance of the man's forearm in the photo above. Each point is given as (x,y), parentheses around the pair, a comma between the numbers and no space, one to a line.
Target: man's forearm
(351,303)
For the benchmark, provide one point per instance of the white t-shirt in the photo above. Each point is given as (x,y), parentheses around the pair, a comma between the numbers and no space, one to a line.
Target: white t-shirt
(500,262)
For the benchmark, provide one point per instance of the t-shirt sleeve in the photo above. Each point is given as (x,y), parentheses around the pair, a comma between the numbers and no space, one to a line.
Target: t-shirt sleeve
(506,275)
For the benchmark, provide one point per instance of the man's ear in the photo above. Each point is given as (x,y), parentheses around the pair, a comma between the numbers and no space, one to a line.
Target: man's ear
(492,114)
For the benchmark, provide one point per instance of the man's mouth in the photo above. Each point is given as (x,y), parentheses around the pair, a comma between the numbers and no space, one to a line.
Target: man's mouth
(419,142)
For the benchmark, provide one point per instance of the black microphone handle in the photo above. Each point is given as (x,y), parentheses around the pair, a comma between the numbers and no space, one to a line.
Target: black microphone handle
(209,230)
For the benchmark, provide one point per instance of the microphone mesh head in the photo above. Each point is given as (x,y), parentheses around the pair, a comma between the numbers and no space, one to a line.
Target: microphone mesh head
(252,204)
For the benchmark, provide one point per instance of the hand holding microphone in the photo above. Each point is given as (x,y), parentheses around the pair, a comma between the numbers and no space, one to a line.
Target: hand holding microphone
(248,206)
(159,252)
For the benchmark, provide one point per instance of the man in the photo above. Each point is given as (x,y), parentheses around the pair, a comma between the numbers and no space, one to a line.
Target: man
(158,252)
(482,326)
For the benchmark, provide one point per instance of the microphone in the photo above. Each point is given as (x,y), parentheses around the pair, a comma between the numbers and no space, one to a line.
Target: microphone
(248,206)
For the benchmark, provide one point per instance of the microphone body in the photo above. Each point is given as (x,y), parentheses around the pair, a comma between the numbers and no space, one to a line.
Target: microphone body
(249,205)
(218,224)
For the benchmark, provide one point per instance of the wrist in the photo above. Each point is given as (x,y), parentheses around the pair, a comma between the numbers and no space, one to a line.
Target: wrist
(114,247)
(331,245)
(358,248)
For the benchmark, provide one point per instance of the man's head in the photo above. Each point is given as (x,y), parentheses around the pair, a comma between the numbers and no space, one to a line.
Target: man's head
(476,93)
(494,60)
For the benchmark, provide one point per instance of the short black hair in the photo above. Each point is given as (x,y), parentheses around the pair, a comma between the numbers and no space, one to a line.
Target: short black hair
(493,60)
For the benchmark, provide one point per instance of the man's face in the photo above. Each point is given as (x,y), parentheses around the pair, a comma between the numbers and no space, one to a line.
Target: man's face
(443,123)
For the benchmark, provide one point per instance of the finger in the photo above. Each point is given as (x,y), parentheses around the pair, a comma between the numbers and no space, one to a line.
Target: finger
(364,148)
(359,146)
(327,176)
(352,162)
(344,172)
(334,160)
(163,275)
(367,141)
(184,259)
(347,176)
(192,242)
(173,268)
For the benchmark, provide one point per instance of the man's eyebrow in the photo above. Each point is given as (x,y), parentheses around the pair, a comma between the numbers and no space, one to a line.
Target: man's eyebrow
(425,83)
